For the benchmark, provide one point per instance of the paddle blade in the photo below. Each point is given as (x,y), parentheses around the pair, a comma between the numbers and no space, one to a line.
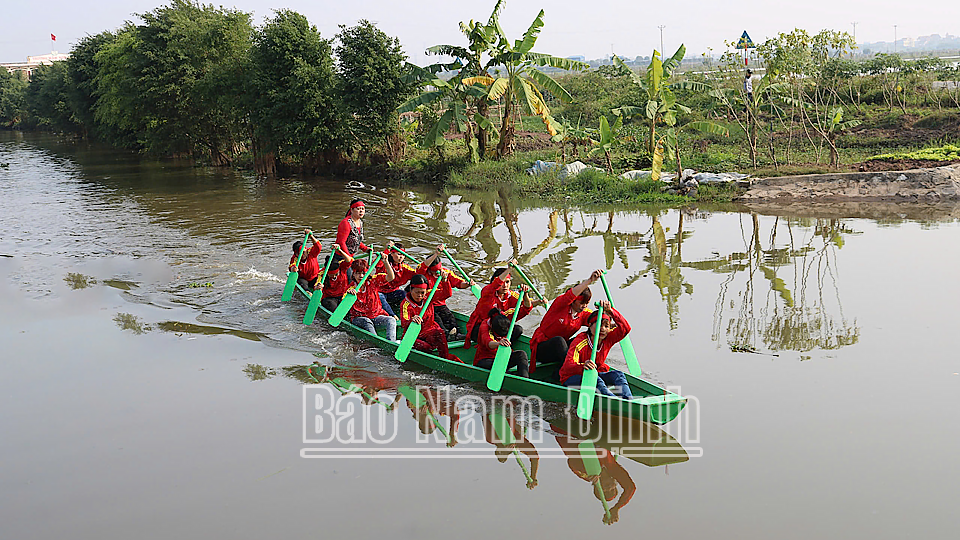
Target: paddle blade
(499,369)
(588,453)
(406,344)
(312,308)
(502,428)
(588,389)
(343,309)
(633,365)
(291,284)
(476,290)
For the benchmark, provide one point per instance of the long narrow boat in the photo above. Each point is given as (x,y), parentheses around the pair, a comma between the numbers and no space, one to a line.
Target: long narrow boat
(651,402)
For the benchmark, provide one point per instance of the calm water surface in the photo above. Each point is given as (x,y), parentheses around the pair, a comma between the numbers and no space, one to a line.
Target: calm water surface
(151,380)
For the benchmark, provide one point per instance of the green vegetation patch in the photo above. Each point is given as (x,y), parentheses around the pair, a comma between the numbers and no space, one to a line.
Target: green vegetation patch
(947,152)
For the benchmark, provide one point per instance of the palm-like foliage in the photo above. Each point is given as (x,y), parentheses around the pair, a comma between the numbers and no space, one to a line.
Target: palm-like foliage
(607,137)
(523,84)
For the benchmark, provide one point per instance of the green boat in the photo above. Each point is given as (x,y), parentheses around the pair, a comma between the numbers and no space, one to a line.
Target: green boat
(651,402)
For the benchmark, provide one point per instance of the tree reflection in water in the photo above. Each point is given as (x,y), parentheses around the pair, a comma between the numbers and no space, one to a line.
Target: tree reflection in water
(800,313)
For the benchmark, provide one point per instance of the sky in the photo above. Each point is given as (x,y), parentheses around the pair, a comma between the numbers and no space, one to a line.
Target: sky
(592,29)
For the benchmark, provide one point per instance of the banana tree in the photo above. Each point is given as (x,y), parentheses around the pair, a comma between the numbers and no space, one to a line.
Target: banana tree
(608,136)
(468,88)
(670,143)
(834,126)
(661,106)
(523,84)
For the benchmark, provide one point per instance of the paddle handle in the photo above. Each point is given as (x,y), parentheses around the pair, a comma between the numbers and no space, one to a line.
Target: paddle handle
(626,345)
(528,282)
(405,254)
(333,253)
(474,289)
(413,330)
(371,267)
(588,383)
(303,247)
(500,362)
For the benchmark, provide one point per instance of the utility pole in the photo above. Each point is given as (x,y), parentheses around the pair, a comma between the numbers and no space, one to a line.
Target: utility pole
(662,52)
(894,39)
(854,23)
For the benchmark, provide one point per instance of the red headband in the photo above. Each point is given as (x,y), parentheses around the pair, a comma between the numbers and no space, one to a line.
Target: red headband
(419,286)
(357,204)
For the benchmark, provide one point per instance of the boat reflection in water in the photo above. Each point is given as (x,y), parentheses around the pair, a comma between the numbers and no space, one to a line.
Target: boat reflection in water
(594,451)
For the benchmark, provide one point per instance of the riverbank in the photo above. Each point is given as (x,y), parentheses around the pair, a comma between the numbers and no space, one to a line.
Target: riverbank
(931,185)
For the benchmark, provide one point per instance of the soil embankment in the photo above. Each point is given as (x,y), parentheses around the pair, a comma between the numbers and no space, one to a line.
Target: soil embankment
(933,185)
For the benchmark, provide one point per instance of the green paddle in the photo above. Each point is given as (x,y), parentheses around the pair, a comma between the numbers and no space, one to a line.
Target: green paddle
(351,298)
(500,362)
(474,288)
(527,280)
(505,434)
(588,385)
(413,330)
(625,344)
(404,253)
(418,400)
(591,465)
(292,276)
(318,293)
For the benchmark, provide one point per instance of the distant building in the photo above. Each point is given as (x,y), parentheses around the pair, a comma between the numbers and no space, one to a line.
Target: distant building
(578,58)
(33,62)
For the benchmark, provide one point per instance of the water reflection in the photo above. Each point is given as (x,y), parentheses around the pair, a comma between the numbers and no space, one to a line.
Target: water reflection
(801,308)
(594,452)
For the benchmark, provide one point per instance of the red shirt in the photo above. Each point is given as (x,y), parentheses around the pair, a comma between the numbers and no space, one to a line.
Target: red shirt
(489,299)
(409,308)
(343,232)
(336,285)
(403,274)
(558,322)
(446,288)
(310,268)
(579,351)
(368,298)
(485,336)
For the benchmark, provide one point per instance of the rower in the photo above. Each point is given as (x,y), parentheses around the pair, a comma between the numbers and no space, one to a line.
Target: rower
(308,267)
(431,337)
(350,232)
(497,294)
(393,292)
(564,318)
(337,282)
(491,335)
(367,312)
(432,268)
(613,328)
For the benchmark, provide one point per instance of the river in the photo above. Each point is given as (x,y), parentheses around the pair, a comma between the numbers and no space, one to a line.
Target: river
(153,382)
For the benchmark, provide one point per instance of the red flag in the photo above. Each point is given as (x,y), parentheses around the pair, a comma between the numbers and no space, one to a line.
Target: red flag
(53,37)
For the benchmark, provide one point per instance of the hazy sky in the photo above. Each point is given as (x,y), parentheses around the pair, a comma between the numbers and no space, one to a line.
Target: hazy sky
(589,28)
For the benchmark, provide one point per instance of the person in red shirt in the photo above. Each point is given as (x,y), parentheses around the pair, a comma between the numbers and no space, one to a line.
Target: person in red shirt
(350,230)
(564,318)
(308,267)
(432,268)
(367,312)
(497,294)
(337,282)
(492,334)
(431,337)
(613,328)
(393,292)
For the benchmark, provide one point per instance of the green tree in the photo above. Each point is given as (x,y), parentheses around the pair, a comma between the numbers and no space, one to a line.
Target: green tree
(82,69)
(13,86)
(46,101)
(522,84)
(293,105)
(370,67)
(177,80)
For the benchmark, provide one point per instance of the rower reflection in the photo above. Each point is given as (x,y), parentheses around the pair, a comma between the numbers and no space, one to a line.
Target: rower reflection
(501,429)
